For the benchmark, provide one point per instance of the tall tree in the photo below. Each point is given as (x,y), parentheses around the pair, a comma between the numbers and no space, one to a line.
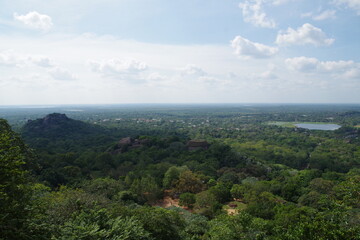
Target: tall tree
(14,190)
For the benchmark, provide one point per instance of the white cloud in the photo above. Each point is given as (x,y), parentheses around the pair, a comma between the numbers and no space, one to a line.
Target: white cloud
(196,76)
(254,13)
(245,48)
(163,81)
(117,67)
(232,75)
(208,80)
(308,14)
(61,74)
(279,2)
(330,66)
(327,14)
(353,73)
(353,4)
(302,64)
(155,76)
(156,79)
(219,82)
(35,20)
(11,59)
(268,75)
(127,70)
(347,69)
(40,61)
(193,70)
(306,34)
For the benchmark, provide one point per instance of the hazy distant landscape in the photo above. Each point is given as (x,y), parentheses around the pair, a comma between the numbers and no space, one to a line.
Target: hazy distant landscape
(166,171)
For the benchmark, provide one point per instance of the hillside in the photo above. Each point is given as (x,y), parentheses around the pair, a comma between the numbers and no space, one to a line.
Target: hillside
(66,134)
(246,180)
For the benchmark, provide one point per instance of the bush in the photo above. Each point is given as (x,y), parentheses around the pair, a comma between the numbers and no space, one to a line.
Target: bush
(187,199)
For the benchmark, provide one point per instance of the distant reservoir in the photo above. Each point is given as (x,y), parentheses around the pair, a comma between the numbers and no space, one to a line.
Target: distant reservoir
(312,126)
(308,125)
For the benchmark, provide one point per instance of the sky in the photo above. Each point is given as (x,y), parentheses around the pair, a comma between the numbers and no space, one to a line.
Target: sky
(179,51)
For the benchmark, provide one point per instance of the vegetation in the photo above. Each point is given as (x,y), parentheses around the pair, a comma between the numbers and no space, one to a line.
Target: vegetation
(76,180)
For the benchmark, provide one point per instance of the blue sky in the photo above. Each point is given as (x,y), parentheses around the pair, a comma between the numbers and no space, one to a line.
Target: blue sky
(195,51)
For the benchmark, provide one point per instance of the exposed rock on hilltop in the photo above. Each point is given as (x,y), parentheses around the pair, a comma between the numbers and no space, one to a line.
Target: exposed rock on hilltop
(55,125)
(57,128)
(197,144)
(128,143)
(55,118)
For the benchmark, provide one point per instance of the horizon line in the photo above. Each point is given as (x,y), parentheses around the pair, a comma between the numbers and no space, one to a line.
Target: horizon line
(179,103)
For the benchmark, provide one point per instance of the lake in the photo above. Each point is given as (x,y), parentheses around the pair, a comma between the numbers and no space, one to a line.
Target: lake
(324,126)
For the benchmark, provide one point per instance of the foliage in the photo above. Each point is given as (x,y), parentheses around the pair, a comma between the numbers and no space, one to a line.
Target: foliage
(99,225)
(172,176)
(146,189)
(189,182)
(162,224)
(295,183)
(15,193)
(241,226)
(187,200)
(105,187)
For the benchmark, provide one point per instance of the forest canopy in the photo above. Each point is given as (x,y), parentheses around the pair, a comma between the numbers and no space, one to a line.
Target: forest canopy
(196,173)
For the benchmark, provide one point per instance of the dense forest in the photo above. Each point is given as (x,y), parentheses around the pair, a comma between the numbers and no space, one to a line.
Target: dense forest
(180,172)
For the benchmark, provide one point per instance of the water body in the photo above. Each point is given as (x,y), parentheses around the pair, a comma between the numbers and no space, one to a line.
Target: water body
(324,126)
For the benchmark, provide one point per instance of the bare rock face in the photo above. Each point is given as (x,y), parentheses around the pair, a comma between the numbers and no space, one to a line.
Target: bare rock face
(128,143)
(197,144)
(125,141)
(57,126)
(49,120)
(55,118)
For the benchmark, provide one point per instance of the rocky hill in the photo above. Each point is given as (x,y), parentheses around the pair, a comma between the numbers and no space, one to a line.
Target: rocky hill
(57,125)
(58,129)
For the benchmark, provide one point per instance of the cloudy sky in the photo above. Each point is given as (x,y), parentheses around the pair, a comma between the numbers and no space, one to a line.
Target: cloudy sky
(179,51)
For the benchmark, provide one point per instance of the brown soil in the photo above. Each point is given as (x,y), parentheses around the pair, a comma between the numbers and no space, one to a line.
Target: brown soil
(232,211)
(167,202)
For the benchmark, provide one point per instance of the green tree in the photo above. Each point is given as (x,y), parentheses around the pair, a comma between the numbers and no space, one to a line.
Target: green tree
(207,205)
(146,189)
(172,176)
(62,204)
(263,205)
(189,182)
(237,191)
(348,191)
(14,191)
(321,226)
(187,200)
(321,185)
(93,225)
(221,192)
(106,187)
(161,223)
(241,226)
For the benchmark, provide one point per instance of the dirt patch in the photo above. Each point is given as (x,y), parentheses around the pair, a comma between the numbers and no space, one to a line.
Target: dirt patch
(231,211)
(234,207)
(167,202)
